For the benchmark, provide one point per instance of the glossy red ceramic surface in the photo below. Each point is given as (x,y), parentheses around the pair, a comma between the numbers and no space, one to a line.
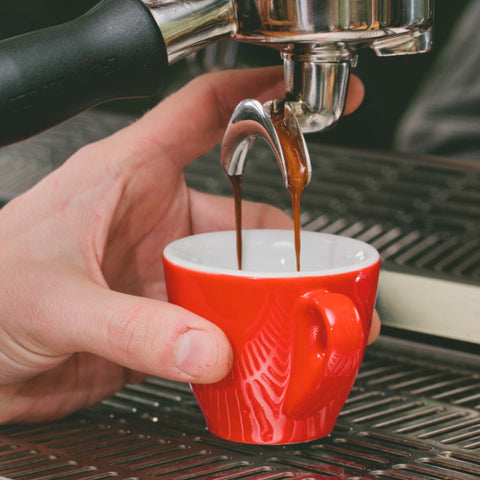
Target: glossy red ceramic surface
(298,343)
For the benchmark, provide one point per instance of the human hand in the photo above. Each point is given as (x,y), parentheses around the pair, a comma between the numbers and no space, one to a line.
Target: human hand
(84,308)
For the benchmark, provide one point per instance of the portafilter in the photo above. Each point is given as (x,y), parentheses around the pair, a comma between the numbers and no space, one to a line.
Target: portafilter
(122,48)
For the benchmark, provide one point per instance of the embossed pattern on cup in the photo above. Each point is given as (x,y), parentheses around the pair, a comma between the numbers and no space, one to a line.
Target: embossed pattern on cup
(298,337)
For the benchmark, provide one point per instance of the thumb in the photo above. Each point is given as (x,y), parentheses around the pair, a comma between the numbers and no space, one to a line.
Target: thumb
(143,334)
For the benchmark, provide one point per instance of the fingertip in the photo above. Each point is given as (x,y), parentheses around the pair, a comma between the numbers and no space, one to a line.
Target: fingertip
(203,356)
(355,95)
(375,328)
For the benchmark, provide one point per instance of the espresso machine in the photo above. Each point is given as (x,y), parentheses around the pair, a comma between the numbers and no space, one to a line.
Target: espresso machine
(123,48)
(414,411)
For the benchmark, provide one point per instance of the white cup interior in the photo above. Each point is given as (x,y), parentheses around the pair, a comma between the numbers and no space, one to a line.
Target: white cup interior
(271,253)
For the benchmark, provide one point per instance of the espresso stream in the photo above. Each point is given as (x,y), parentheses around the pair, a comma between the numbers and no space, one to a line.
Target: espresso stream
(297,173)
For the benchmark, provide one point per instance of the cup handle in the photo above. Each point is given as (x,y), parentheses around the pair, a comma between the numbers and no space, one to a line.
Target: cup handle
(328,347)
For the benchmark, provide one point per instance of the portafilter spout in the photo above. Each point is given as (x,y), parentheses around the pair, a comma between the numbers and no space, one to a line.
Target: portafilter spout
(275,123)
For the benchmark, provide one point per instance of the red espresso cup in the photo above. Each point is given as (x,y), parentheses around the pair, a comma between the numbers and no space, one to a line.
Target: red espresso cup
(298,337)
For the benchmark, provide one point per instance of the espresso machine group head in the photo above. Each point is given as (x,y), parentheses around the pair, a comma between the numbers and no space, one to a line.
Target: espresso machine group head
(317,39)
(122,48)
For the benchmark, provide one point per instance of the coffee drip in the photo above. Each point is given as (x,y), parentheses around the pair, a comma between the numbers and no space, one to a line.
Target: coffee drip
(277,124)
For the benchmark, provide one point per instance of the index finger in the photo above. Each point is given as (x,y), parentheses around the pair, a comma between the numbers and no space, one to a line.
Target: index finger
(193,120)
(190,122)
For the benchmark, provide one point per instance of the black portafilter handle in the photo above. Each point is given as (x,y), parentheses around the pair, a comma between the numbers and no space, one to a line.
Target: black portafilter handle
(113,51)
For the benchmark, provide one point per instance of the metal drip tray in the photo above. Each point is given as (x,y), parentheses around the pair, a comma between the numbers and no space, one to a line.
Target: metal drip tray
(414,412)
(406,419)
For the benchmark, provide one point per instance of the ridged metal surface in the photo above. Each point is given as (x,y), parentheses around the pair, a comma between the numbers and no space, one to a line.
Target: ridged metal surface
(419,213)
(404,420)
(24,164)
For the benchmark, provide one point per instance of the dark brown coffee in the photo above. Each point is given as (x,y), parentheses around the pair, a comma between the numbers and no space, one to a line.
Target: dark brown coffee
(297,173)
(236,181)
(298,176)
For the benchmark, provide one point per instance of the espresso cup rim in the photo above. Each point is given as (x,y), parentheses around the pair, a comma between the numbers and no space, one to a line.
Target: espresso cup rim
(177,253)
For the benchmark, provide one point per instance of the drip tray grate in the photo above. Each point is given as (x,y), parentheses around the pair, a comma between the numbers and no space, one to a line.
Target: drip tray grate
(420,214)
(403,420)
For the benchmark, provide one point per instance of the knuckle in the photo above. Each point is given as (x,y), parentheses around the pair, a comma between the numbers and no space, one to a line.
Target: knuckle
(127,333)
